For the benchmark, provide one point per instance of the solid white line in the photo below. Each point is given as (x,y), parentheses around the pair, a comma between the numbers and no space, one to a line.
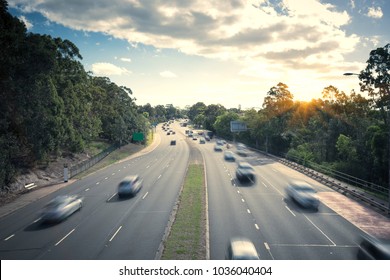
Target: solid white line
(334,244)
(9,237)
(264,185)
(145,195)
(112,196)
(65,237)
(290,210)
(115,233)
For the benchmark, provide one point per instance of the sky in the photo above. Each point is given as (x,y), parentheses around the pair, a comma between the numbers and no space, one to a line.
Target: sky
(227,52)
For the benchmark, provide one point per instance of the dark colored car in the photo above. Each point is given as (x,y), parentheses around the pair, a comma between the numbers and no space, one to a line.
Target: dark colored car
(60,208)
(372,248)
(130,186)
(173,142)
(245,172)
(302,193)
(229,156)
(241,249)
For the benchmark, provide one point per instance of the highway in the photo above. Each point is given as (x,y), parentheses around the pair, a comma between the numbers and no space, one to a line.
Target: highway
(106,227)
(111,228)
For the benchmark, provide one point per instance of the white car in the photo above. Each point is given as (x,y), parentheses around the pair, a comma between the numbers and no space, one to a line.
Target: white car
(60,208)
(302,193)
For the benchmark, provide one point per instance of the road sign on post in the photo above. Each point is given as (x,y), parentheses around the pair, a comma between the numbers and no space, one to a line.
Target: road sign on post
(237,126)
(138,136)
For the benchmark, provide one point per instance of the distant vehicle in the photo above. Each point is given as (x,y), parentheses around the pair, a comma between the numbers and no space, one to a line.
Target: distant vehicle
(173,142)
(304,194)
(245,172)
(130,186)
(194,137)
(372,248)
(220,142)
(229,156)
(60,208)
(207,138)
(217,148)
(241,249)
(168,133)
(202,140)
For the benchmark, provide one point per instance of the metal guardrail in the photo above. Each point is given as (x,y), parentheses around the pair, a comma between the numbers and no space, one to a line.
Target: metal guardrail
(355,191)
(84,165)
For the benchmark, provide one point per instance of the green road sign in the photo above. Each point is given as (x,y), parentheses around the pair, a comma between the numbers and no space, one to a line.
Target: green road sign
(138,136)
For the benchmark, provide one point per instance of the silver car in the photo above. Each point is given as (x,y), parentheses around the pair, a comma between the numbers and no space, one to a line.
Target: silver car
(60,208)
(302,193)
(130,186)
(241,249)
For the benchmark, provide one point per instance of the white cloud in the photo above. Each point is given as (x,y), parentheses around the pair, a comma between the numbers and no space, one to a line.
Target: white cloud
(125,59)
(26,22)
(168,74)
(107,69)
(375,12)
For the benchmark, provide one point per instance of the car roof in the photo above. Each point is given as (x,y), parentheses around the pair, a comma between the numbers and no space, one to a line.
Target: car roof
(244,164)
(243,248)
(130,178)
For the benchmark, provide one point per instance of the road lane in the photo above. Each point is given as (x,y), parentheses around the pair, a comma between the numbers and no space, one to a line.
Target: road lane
(104,218)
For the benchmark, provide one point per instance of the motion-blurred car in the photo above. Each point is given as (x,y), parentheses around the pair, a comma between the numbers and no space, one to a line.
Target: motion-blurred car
(302,193)
(372,248)
(173,142)
(245,172)
(241,249)
(229,156)
(217,148)
(60,208)
(202,140)
(130,186)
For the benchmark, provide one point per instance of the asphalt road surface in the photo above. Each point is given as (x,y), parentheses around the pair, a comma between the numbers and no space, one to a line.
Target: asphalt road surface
(111,228)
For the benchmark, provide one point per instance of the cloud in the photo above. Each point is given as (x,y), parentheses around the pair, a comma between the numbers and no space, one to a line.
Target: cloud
(229,30)
(375,12)
(125,59)
(168,74)
(26,22)
(107,69)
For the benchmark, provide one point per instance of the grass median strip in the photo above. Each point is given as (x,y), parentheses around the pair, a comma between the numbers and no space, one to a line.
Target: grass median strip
(186,240)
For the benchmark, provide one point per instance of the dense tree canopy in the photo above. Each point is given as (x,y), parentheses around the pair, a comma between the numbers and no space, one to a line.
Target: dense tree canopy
(50,104)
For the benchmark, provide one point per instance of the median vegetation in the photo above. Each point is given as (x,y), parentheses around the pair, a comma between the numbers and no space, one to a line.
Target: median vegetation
(186,240)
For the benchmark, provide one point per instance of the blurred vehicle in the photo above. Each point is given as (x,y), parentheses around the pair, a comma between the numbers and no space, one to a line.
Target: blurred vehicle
(219,142)
(241,249)
(202,140)
(207,138)
(372,248)
(229,156)
(194,137)
(60,208)
(173,142)
(302,193)
(130,186)
(245,172)
(168,133)
(217,148)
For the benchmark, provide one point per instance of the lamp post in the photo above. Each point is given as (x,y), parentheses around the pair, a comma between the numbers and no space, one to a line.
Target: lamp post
(388,123)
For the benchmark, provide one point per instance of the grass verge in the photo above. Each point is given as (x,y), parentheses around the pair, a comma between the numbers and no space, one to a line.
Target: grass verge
(186,240)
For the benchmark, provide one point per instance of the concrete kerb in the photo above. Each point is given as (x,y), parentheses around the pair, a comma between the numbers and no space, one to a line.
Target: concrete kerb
(38,193)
